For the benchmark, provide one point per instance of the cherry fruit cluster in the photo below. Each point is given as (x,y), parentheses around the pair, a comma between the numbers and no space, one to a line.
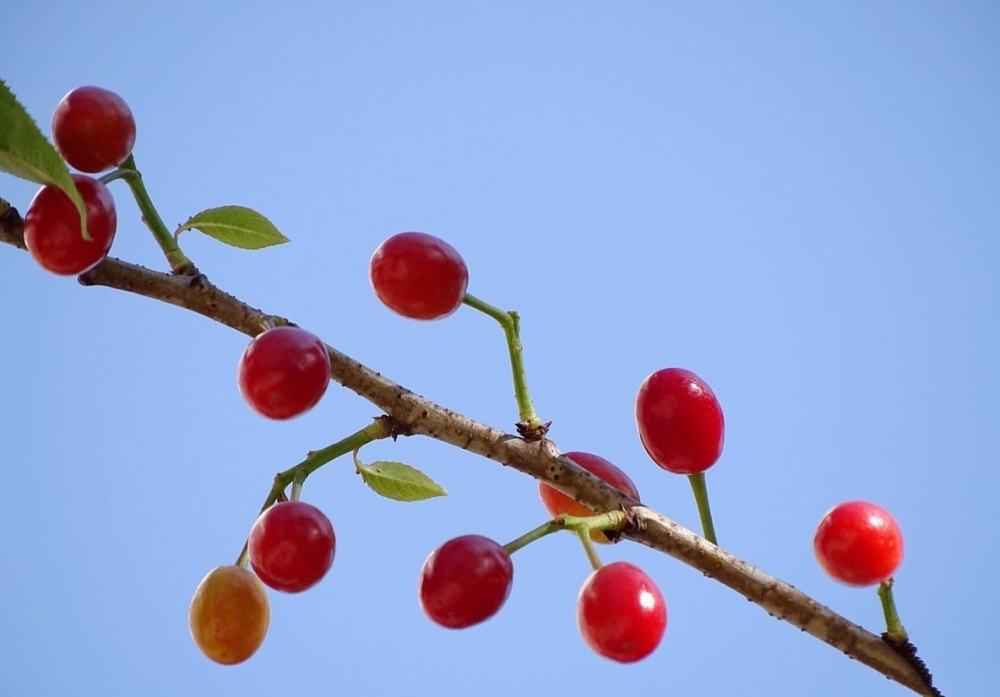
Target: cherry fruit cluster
(285,371)
(93,130)
(621,613)
(291,548)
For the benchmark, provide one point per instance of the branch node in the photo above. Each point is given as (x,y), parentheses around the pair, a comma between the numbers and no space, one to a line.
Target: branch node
(532,433)
(195,278)
(393,427)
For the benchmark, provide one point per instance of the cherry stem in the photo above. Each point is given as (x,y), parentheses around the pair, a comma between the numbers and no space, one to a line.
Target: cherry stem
(300,477)
(511,324)
(243,561)
(538,533)
(115,175)
(382,427)
(894,628)
(127,171)
(588,547)
(605,521)
(704,509)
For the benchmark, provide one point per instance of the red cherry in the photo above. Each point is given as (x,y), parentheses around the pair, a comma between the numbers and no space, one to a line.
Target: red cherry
(93,129)
(558,503)
(621,612)
(419,276)
(859,543)
(292,546)
(52,227)
(680,421)
(284,372)
(465,581)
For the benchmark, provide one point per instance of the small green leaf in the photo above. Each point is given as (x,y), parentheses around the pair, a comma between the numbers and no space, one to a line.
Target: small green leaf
(399,482)
(27,154)
(236,226)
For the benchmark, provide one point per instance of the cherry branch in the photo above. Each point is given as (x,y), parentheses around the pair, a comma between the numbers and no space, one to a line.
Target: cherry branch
(539,459)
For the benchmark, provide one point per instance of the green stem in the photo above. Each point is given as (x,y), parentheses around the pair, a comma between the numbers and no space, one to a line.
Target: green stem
(615,520)
(380,428)
(511,324)
(179,263)
(117,174)
(894,628)
(583,525)
(588,547)
(300,477)
(538,533)
(704,510)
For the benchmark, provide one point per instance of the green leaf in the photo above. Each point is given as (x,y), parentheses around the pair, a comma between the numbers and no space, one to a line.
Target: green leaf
(399,482)
(27,154)
(236,226)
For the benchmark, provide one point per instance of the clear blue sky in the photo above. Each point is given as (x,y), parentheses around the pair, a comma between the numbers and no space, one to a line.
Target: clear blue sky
(798,201)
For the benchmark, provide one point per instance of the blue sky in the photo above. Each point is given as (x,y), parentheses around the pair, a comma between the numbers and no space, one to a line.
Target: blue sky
(798,201)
